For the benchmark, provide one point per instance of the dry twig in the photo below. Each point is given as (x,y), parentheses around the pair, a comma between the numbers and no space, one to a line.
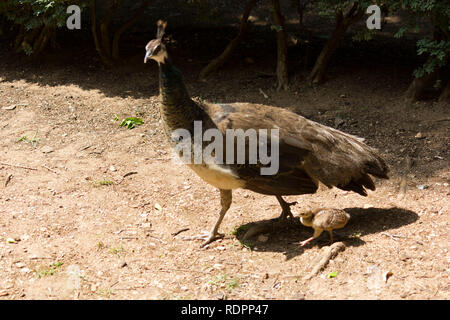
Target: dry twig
(331,252)
(17,166)
(8,178)
(50,169)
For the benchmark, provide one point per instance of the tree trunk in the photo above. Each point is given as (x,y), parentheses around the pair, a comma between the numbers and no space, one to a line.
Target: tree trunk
(139,12)
(28,40)
(104,27)
(282,69)
(342,23)
(100,32)
(305,33)
(418,86)
(445,95)
(226,54)
(19,38)
(41,42)
(94,28)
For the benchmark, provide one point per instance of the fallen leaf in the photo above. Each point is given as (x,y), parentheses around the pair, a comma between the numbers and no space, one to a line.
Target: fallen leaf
(332,275)
(387,275)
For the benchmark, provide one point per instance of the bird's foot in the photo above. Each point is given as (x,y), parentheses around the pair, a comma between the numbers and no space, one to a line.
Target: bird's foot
(286,213)
(305,242)
(212,238)
(207,237)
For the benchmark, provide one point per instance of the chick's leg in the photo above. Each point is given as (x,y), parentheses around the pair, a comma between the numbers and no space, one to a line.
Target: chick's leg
(317,233)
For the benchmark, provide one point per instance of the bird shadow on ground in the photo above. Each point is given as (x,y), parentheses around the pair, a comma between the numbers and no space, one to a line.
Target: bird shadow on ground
(284,237)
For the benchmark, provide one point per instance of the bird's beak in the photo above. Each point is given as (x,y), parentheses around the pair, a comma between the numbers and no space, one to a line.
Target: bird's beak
(148,54)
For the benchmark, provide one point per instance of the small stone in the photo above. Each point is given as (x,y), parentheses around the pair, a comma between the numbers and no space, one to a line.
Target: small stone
(3,293)
(423,186)
(367,206)
(112,168)
(46,149)
(404,294)
(25,270)
(10,240)
(419,135)
(146,225)
(299,296)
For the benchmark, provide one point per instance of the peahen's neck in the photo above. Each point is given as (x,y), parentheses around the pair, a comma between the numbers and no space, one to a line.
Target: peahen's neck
(177,108)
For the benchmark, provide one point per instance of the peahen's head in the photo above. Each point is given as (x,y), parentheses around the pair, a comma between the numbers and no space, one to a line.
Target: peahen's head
(156,49)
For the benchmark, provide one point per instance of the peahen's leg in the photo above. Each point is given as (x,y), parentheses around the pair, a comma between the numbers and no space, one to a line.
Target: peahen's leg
(225,201)
(286,210)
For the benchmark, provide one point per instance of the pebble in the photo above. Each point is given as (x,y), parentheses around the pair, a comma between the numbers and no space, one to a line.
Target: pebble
(146,225)
(419,135)
(25,270)
(47,149)
(112,168)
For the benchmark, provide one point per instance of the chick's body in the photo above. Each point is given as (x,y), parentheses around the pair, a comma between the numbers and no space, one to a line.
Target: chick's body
(324,219)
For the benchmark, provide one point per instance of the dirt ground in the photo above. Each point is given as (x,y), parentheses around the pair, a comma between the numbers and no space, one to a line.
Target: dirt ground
(88,209)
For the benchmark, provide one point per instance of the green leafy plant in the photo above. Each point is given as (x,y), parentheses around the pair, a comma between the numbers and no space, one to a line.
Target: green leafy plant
(32,141)
(438,53)
(50,270)
(222,281)
(35,21)
(131,122)
(103,182)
